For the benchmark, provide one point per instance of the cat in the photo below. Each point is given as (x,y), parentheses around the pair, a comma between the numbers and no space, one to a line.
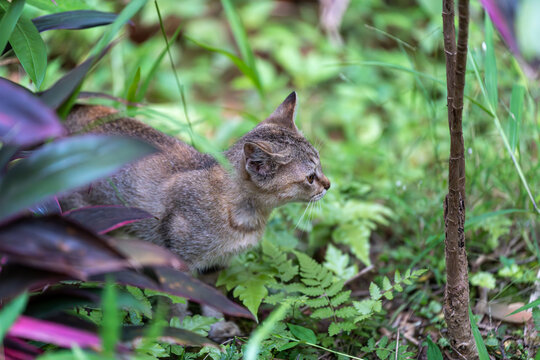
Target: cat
(203,212)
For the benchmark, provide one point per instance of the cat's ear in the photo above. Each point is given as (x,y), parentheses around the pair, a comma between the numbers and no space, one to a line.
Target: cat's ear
(261,160)
(285,114)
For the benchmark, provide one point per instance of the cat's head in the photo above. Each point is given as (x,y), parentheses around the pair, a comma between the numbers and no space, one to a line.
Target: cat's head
(279,160)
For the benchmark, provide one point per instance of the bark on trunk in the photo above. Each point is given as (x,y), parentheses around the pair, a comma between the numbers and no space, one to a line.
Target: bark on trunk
(456,306)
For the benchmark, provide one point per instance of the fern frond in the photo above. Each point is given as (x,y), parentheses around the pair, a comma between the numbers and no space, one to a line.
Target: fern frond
(346,312)
(340,298)
(336,328)
(335,288)
(322,313)
(312,291)
(317,302)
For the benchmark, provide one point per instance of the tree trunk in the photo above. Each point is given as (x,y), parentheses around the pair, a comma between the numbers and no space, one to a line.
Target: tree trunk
(456,304)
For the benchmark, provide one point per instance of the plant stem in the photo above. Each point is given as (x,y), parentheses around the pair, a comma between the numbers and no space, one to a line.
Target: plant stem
(457,284)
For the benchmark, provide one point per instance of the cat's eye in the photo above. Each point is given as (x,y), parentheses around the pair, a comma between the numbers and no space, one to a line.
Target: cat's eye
(310,178)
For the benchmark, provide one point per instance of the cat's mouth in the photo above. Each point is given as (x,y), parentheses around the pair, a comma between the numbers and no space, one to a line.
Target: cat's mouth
(318,196)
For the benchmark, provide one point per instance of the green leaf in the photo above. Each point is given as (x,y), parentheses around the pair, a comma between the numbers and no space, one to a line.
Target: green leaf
(337,261)
(356,235)
(288,346)
(303,333)
(253,291)
(433,352)
(64,165)
(490,65)
(111,320)
(374,291)
(386,284)
(196,323)
(480,345)
(9,20)
(10,312)
(29,48)
(483,279)
(397,277)
(516,109)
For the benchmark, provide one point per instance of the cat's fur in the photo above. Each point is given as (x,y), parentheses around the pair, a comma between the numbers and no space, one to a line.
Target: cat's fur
(203,212)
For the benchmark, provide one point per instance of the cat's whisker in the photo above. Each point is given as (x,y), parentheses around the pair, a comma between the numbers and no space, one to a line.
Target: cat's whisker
(301,217)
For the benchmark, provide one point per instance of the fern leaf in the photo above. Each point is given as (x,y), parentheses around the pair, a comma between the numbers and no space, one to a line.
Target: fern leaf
(275,298)
(311,282)
(346,312)
(336,328)
(335,288)
(309,268)
(386,285)
(312,291)
(317,302)
(340,298)
(397,277)
(322,313)
(327,279)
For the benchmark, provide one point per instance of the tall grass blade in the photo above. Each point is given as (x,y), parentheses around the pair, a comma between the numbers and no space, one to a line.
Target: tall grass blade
(111,322)
(131,9)
(10,312)
(176,78)
(240,36)
(516,109)
(262,332)
(146,82)
(131,92)
(503,135)
(480,345)
(490,65)
(9,20)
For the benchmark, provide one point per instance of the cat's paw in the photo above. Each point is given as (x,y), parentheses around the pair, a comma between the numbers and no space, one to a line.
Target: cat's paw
(223,330)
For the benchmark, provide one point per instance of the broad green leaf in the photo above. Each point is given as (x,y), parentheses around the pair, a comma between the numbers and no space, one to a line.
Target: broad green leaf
(253,291)
(9,20)
(433,352)
(65,165)
(10,312)
(516,109)
(480,345)
(29,48)
(303,333)
(337,262)
(490,65)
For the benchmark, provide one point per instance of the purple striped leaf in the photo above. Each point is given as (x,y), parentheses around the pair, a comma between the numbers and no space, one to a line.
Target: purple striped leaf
(105,218)
(48,332)
(55,244)
(24,119)
(502,14)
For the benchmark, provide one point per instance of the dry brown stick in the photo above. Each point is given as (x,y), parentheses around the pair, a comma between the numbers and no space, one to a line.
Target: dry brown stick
(456,307)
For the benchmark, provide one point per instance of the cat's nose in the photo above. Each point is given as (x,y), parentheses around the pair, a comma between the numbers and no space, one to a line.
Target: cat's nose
(325,182)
